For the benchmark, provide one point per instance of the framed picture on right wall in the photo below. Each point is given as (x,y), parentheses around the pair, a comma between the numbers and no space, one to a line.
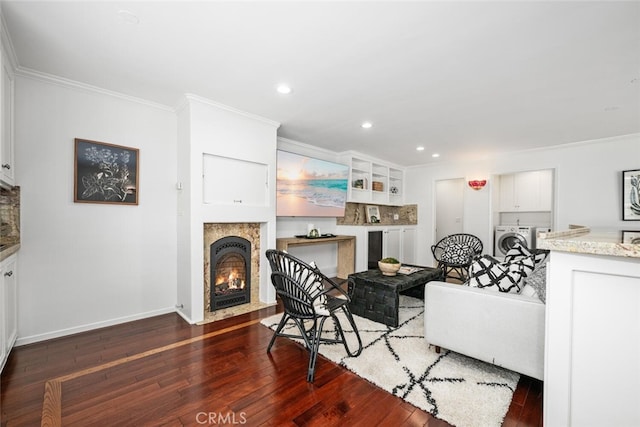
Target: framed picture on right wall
(631,195)
(629,236)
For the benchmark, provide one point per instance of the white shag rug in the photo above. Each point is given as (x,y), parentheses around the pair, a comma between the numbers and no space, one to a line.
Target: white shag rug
(460,390)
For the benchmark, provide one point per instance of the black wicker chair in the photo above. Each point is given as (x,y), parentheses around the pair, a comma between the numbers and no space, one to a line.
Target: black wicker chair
(309,299)
(454,254)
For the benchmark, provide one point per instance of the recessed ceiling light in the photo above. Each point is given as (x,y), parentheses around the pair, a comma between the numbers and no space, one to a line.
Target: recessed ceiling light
(284,89)
(366,125)
(435,155)
(419,148)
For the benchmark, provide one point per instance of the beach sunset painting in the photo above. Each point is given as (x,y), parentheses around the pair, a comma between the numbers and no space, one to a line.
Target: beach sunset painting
(310,187)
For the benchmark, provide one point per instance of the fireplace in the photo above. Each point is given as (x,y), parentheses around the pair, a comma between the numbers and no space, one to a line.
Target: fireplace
(230,274)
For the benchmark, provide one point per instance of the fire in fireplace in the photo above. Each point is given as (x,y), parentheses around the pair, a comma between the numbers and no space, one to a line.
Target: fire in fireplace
(230,272)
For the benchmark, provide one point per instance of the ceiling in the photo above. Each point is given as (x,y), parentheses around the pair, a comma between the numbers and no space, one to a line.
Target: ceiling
(462,79)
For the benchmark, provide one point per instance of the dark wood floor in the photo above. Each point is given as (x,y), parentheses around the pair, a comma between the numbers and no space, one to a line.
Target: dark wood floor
(164,372)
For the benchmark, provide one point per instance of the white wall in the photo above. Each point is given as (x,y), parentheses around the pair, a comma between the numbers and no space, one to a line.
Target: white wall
(588,187)
(207,127)
(88,265)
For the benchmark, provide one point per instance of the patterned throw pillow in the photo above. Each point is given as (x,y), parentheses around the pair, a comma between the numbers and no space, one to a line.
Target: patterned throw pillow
(538,281)
(535,282)
(488,273)
(530,260)
(456,253)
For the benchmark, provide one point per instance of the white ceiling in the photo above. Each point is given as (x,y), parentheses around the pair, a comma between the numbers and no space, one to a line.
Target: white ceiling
(463,79)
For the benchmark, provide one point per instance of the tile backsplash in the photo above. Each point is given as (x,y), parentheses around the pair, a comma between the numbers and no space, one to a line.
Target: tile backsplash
(9,216)
(355,214)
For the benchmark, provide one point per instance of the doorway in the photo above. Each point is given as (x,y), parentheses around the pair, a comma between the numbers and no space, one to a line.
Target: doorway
(449,207)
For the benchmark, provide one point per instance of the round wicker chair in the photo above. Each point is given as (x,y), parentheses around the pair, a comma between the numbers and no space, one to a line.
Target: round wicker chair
(454,254)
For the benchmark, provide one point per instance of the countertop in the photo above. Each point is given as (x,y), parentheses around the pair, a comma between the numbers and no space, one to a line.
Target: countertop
(585,240)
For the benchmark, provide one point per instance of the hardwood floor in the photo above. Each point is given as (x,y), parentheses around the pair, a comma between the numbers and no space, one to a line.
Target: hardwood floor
(164,372)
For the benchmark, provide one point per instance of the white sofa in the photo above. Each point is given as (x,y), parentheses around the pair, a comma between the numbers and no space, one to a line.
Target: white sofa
(505,329)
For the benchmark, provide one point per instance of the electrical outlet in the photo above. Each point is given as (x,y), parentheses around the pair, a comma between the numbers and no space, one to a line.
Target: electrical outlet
(396,217)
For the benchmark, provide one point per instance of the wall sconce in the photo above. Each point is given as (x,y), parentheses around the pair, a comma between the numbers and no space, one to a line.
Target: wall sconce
(477,184)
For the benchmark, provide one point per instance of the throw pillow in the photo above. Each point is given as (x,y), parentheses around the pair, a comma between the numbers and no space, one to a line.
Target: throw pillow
(518,252)
(538,281)
(456,253)
(487,272)
(530,260)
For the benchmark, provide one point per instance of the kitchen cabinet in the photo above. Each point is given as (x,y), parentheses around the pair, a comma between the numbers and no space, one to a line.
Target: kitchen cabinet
(592,348)
(375,182)
(9,304)
(526,191)
(397,241)
(7,167)
(409,240)
(391,243)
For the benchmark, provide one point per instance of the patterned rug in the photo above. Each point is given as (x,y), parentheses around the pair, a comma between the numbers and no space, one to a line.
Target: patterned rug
(452,387)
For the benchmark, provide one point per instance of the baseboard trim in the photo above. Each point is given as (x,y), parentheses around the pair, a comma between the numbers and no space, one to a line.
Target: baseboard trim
(91,326)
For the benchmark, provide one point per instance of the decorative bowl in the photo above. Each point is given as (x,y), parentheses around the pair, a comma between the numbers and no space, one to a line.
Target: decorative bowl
(388,269)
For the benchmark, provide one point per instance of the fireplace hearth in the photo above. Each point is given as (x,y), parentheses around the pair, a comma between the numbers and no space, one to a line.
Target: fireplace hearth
(230,274)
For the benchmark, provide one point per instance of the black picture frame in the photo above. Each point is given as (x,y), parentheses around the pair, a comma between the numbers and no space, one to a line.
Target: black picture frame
(631,236)
(631,195)
(105,173)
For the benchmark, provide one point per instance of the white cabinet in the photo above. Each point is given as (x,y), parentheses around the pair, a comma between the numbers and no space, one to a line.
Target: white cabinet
(409,240)
(526,191)
(391,243)
(374,182)
(9,304)
(592,347)
(397,241)
(7,168)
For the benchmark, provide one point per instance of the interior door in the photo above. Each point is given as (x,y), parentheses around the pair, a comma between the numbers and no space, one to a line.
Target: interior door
(449,207)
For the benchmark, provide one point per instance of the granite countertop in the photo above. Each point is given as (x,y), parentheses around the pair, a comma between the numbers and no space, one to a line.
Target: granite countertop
(587,241)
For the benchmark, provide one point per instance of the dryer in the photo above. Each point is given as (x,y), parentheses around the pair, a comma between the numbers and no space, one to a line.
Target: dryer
(506,236)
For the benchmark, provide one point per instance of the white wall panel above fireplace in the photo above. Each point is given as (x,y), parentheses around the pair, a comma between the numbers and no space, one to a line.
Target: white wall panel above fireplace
(238,182)
(224,156)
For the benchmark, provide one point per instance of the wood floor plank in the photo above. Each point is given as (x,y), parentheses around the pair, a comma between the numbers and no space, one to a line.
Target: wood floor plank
(163,371)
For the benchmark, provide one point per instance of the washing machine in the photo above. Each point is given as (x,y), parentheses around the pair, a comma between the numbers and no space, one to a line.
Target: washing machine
(506,236)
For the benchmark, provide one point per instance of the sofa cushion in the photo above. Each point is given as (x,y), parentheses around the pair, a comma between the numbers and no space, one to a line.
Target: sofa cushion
(488,273)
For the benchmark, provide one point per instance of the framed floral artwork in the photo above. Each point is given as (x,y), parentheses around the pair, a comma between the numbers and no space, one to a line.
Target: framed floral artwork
(105,173)
(631,195)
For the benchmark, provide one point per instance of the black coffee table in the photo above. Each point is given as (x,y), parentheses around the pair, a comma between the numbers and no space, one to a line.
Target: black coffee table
(375,296)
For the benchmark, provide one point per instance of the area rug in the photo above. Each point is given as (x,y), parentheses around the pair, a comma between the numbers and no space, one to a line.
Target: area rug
(462,391)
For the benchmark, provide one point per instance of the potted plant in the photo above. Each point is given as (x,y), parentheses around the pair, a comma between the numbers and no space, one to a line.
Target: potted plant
(389,266)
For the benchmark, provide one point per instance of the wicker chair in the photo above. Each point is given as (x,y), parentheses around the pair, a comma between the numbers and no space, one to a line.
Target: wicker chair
(454,254)
(309,299)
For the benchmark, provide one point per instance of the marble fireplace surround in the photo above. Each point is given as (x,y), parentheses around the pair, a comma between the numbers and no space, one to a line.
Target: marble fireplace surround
(215,231)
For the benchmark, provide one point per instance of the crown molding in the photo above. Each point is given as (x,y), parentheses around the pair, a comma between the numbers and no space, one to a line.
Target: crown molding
(206,101)
(7,44)
(61,81)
